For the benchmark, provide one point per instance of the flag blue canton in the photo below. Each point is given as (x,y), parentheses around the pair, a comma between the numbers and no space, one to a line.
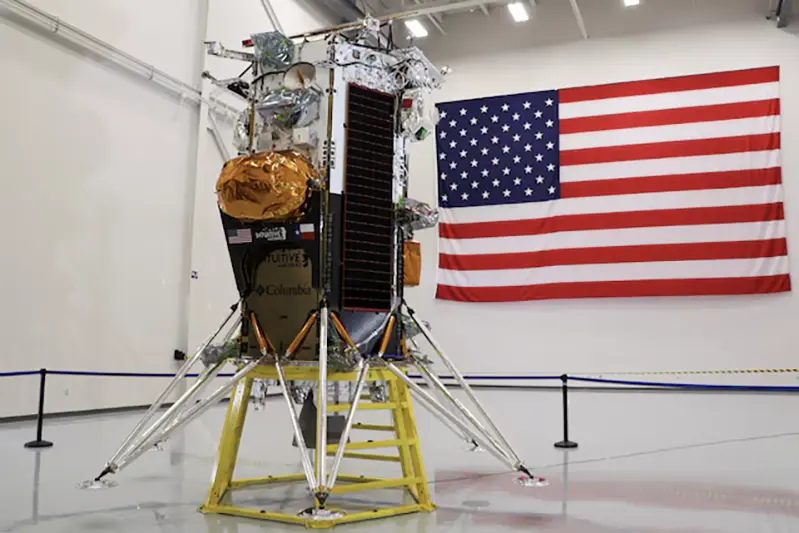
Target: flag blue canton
(498,150)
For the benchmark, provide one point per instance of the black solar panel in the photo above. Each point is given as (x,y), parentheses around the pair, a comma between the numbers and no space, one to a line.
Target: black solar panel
(368,207)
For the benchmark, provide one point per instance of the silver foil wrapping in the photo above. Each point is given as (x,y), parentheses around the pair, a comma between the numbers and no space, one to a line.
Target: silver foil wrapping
(290,108)
(273,50)
(415,215)
(415,125)
(241,131)
(372,78)
(417,70)
(409,326)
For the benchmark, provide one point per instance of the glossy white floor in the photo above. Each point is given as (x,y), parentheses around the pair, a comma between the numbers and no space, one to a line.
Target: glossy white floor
(647,463)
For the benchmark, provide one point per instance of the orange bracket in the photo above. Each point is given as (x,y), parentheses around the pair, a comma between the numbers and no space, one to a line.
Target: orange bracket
(387,335)
(263,341)
(343,331)
(300,338)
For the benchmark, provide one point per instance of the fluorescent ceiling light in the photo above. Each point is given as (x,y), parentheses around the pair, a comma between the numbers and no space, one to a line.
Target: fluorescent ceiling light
(416,28)
(631,3)
(518,12)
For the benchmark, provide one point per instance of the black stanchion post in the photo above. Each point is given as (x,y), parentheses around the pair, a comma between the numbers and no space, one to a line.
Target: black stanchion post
(39,442)
(565,443)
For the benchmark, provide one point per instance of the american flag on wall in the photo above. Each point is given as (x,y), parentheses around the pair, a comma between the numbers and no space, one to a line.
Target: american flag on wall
(660,187)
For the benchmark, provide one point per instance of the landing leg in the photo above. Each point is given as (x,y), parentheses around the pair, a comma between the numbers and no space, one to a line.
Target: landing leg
(229,443)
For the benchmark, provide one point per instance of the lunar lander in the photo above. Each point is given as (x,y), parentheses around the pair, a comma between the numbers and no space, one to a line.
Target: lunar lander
(319,231)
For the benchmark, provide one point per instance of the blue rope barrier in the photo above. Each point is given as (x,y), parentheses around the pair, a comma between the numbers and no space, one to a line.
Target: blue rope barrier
(19,373)
(123,374)
(695,386)
(634,383)
(495,378)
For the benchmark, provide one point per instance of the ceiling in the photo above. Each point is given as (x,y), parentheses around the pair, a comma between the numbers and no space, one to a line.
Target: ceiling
(573,18)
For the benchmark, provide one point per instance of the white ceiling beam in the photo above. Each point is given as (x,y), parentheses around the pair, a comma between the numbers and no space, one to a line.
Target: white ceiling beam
(579,16)
(430,8)
(433,20)
(484,9)
(270,12)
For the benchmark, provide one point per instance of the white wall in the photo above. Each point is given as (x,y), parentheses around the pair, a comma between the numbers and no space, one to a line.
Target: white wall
(98,196)
(613,335)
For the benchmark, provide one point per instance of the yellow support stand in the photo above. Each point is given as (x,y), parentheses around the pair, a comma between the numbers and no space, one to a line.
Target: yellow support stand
(404,438)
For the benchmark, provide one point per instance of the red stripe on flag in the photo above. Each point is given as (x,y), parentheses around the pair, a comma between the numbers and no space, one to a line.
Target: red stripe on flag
(673,182)
(662,150)
(695,251)
(607,289)
(624,219)
(662,117)
(668,85)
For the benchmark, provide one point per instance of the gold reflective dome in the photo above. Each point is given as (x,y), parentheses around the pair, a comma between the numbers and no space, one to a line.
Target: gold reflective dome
(265,186)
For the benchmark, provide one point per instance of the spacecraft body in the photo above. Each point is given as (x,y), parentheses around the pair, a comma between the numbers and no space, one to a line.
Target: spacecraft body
(315,209)
(319,230)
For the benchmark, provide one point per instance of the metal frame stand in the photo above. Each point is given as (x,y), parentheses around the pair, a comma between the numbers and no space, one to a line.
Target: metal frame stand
(477,429)
(404,438)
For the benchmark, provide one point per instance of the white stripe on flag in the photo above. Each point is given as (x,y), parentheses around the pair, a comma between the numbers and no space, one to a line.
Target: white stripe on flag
(673,165)
(741,231)
(674,100)
(719,268)
(672,132)
(765,194)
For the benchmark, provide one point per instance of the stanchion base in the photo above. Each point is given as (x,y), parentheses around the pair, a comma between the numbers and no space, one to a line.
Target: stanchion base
(38,444)
(566,444)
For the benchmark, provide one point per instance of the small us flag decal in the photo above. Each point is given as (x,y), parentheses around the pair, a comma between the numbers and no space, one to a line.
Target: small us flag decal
(239,236)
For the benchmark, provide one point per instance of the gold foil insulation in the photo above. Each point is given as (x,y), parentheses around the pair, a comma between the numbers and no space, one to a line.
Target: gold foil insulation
(265,186)
(412,263)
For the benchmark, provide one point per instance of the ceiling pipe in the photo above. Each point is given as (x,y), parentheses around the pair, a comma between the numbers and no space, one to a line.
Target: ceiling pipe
(98,48)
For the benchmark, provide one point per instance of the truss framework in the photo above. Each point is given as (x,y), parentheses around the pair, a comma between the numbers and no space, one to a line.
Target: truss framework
(471,423)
